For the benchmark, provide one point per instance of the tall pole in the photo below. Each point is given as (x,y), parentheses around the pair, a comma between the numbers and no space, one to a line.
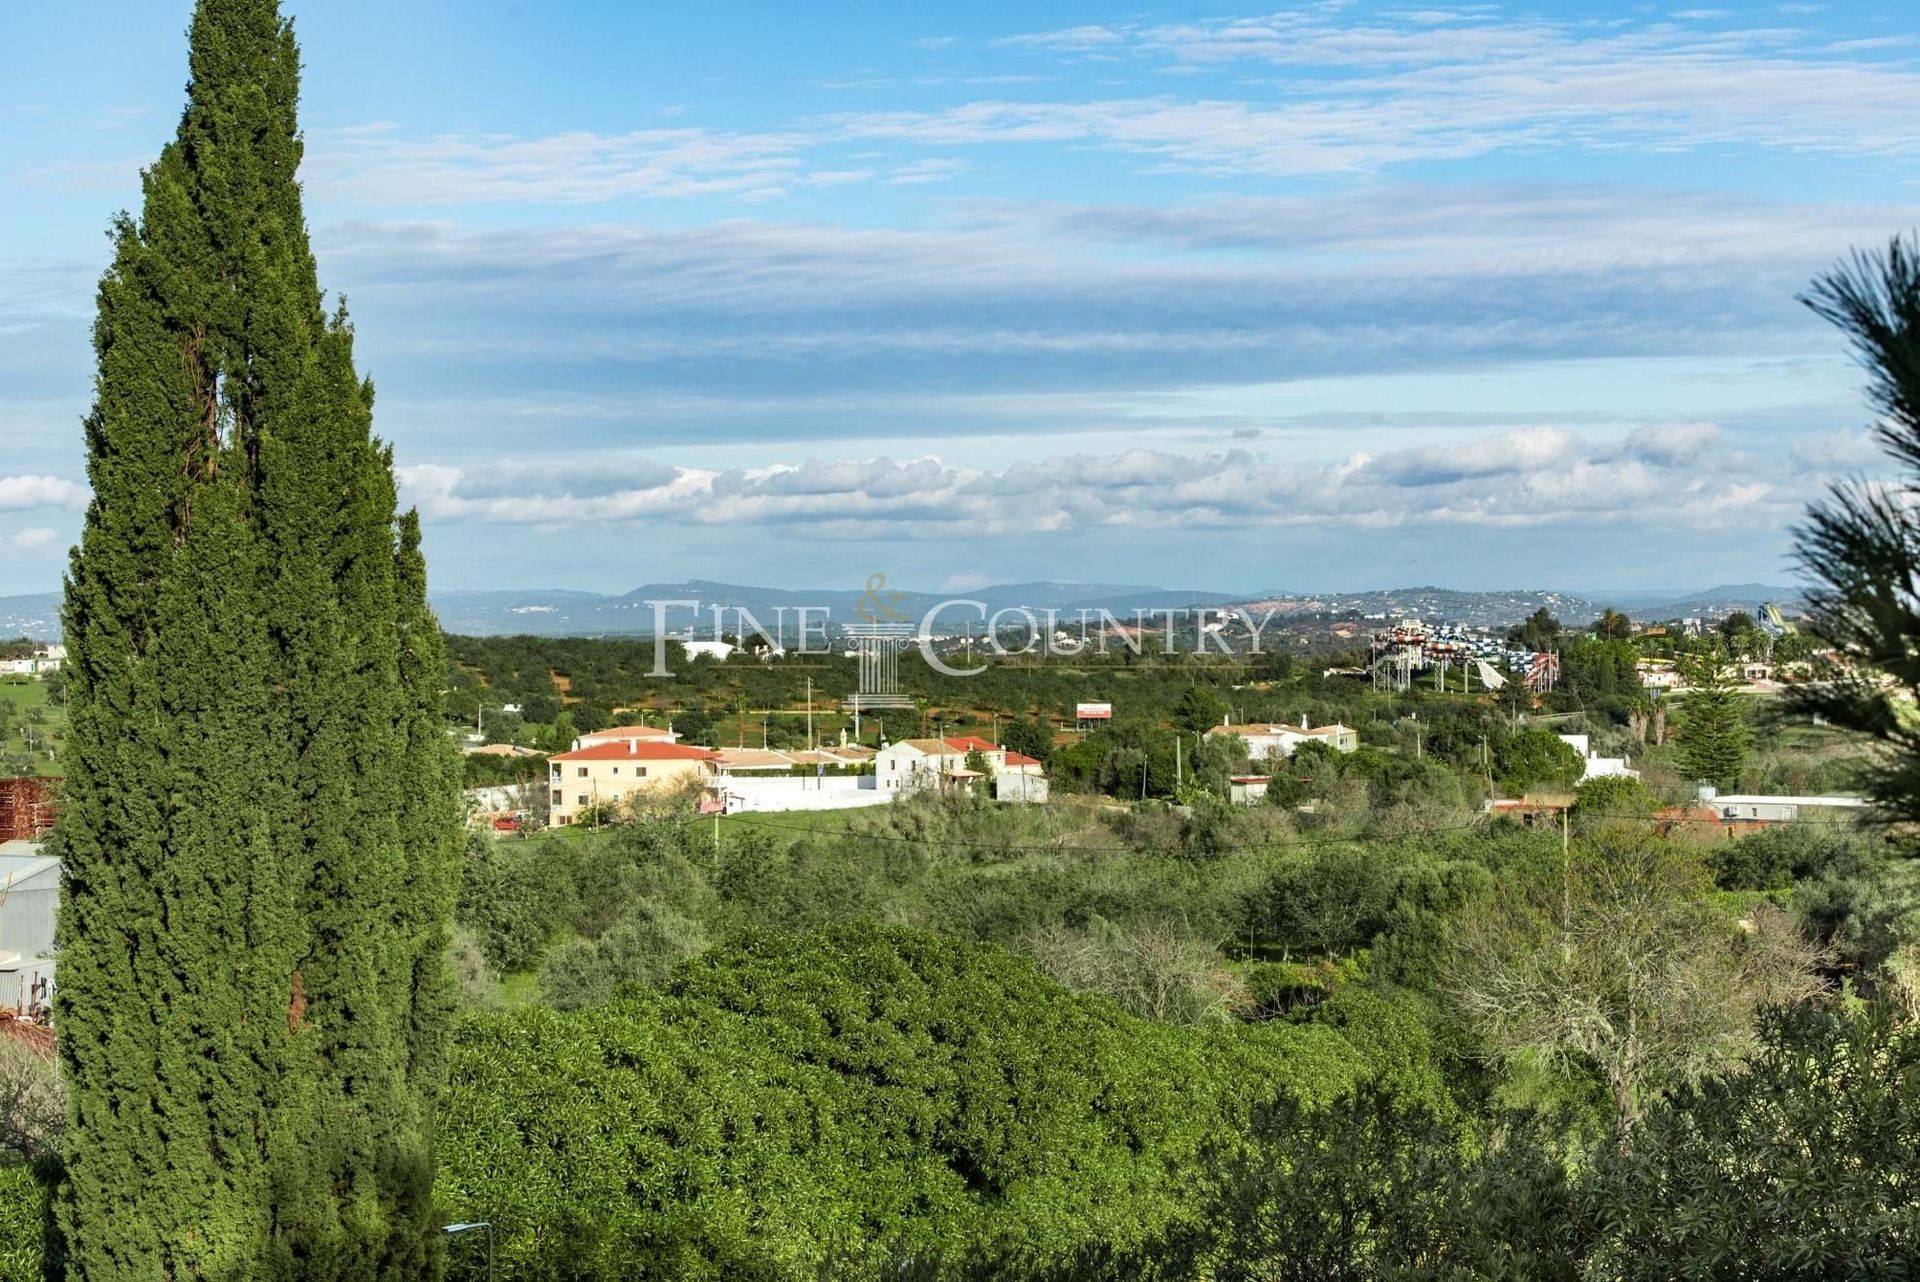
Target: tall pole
(809,714)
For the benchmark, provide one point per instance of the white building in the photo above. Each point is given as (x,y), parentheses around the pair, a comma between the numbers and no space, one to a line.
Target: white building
(1247,790)
(1777,809)
(1266,740)
(1593,767)
(29,903)
(928,763)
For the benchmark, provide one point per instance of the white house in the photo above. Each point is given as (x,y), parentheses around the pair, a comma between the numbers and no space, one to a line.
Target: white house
(926,763)
(1266,740)
(1593,767)
(39,663)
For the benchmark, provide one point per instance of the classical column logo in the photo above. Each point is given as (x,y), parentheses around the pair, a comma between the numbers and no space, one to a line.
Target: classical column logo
(881,631)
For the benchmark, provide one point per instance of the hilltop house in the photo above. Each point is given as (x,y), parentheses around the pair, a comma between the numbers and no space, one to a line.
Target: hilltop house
(1267,740)
(599,774)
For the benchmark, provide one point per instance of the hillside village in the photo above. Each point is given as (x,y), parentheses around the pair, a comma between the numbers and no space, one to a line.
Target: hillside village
(953,912)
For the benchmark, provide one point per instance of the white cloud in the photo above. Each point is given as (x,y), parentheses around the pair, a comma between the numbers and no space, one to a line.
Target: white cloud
(380,165)
(1359,96)
(1331,94)
(1536,477)
(1074,39)
(33,538)
(21,493)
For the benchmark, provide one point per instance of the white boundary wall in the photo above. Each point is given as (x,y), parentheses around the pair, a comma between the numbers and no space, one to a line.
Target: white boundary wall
(830,792)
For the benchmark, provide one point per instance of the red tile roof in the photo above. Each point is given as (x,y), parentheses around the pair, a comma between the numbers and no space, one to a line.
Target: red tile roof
(637,750)
(1020,759)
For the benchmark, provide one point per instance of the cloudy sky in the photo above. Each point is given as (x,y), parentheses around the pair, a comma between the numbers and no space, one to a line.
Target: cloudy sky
(1340,295)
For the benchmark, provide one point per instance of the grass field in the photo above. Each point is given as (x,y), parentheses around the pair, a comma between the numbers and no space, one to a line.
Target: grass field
(789,823)
(23,698)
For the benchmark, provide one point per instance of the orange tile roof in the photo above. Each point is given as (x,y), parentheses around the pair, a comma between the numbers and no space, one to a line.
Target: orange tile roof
(628,732)
(637,750)
(1020,759)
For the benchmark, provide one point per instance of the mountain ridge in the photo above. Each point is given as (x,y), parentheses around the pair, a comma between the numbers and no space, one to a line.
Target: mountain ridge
(572,612)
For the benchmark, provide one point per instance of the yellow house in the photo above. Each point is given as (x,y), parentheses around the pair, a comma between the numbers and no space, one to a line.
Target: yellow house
(601,774)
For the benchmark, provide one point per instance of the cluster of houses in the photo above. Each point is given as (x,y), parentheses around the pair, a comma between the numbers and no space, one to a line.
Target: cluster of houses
(608,768)
(46,659)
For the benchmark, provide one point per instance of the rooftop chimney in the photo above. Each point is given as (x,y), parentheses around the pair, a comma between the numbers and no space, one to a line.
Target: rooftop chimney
(633,747)
(1303,721)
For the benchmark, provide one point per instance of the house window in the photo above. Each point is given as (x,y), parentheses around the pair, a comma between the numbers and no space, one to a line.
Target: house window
(643,772)
(580,771)
(616,770)
(583,799)
(558,800)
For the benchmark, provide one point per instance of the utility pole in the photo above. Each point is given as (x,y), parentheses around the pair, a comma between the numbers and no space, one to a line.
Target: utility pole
(809,714)
(1179,769)
(1566,878)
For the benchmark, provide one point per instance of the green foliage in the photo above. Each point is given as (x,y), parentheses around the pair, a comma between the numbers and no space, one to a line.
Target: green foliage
(854,1103)
(1373,1187)
(260,807)
(1613,626)
(1860,546)
(1534,758)
(643,947)
(26,1194)
(1799,1167)
(1326,902)
(1713,734)
(1199,709)
(1613,800)
(1030,737)
(1541,631)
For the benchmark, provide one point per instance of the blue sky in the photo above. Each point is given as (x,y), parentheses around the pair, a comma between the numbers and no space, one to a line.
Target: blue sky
(1333,295)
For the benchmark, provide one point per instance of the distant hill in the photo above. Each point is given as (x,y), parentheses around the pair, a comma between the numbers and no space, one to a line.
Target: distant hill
(1714,601)
(555,613)
(559,612)
(1478,609)
(36,616)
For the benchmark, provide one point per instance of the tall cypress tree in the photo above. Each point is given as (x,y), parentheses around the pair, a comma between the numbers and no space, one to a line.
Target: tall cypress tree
(1714,737)
(261,821)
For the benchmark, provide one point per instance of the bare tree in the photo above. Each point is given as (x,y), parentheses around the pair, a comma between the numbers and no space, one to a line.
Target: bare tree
(33,1101)
(1159,969)
(1623,963)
